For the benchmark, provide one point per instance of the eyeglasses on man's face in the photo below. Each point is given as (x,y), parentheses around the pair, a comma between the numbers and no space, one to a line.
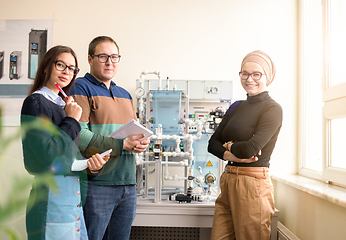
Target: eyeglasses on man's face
(255,75)
(115,58)
(61,66)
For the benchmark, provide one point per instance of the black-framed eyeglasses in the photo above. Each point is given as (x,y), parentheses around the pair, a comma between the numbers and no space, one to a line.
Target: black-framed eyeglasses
(255,75)
(115,58)
(61,66)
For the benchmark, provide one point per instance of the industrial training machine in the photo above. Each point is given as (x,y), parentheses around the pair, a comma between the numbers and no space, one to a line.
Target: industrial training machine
(183,114)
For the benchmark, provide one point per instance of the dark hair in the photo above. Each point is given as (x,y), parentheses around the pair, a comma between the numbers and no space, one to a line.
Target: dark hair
(45,68)
(97,40)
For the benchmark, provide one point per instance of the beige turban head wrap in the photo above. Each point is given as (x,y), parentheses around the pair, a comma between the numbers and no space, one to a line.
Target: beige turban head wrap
(264,61)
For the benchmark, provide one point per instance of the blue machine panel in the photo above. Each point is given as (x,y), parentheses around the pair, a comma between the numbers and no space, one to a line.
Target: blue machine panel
(167,110)
(33,65)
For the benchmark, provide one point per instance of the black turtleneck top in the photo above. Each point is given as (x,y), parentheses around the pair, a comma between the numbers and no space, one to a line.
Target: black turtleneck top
(253,125)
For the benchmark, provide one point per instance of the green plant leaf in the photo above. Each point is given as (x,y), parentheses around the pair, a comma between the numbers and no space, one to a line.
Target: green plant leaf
(17,198)
(12,235)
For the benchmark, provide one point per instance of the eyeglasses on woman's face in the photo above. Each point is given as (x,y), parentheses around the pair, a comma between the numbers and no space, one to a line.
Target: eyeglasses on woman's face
(61,66)
(256,76)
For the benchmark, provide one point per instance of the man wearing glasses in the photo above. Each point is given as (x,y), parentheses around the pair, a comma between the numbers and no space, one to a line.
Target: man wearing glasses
(110,205)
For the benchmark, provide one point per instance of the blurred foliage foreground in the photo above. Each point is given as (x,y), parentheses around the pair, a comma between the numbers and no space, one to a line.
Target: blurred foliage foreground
(15,200)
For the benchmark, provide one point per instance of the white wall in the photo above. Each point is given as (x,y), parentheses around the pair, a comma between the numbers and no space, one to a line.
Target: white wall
(194,40)
(185,39)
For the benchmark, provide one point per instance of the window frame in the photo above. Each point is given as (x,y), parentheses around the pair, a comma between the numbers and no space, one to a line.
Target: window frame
(333,97)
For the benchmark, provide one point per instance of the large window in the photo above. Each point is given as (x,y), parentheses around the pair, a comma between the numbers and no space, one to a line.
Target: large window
(323,90)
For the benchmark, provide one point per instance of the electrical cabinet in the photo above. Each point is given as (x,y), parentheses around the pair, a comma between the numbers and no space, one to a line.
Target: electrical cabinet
(15,64)
(37,49)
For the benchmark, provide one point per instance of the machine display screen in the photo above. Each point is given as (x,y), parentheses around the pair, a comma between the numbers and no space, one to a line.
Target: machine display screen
(13,58)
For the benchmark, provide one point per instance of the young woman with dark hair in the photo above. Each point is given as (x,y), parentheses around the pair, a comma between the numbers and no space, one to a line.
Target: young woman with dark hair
(50,132)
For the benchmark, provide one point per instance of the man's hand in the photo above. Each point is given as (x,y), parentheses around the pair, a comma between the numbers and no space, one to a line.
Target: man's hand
(133,144)
(96,162)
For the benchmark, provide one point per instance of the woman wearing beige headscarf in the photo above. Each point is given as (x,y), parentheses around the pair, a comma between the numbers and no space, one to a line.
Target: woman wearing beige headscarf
(246,138)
